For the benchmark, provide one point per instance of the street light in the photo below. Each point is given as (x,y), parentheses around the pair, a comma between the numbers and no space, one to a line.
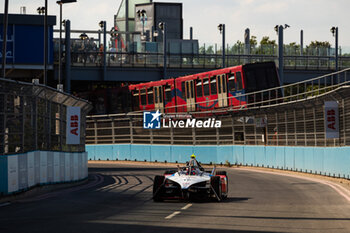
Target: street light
(4,41)
(334,31)
(60,43)
(162,26)
(103,26)
(279,29)
(221,28)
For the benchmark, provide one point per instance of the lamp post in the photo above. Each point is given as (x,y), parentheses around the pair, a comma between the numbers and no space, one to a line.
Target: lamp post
(45,43)
(60,3)
(162,26)
(142,16)
(221,28)
(103,26)
(334,31)
(43,10)
(4,40)
(279,30)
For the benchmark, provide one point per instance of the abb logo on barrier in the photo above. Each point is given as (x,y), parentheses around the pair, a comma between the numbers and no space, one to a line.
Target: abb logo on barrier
(73,125)
(331,121)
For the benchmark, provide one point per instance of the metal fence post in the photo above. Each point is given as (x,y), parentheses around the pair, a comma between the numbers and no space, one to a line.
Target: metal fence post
(95,131)
(315,131)
(113,132)
(35,119)
(172,136)
(295,128)
(286,127)
(217,136)
(233,130)
(131,132)
(61,126)
(344,123)
(304,118)
(23,122)
(193,136)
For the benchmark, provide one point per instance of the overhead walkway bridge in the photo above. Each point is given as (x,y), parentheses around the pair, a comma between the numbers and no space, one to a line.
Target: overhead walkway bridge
(141,67)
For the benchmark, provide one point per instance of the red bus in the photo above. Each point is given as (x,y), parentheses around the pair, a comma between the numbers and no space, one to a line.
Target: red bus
(222,88)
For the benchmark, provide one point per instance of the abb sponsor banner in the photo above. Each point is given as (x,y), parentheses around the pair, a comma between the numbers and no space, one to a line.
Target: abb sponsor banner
(331,119)
(73,125)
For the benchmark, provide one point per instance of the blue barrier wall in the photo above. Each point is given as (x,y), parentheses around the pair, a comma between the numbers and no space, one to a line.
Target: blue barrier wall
(332,161)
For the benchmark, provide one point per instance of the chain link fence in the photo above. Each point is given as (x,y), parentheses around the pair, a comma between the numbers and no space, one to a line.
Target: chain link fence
(295,119)
(33,117)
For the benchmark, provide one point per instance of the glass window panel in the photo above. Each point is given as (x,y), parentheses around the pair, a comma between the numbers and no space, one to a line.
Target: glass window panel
(213,89)
(206,86)
(199,89)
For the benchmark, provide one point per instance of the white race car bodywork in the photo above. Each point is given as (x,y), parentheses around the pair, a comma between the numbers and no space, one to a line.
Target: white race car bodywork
(185,181)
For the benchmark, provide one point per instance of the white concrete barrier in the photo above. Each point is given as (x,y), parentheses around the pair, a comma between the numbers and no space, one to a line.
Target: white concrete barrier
(22,171)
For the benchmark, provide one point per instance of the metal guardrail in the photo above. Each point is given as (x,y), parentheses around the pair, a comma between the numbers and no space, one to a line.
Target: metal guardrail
(33,117)
(210,61)
(295,119)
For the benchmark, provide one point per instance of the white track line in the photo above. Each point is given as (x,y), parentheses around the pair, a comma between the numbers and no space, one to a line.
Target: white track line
(172,215)
(340,189)
(186,207)
(5,204)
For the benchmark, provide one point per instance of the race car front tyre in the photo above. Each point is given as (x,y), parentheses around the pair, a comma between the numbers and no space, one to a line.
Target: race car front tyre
(158,188)
(215,182)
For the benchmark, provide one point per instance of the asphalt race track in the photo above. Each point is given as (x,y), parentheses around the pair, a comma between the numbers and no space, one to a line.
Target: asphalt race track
(117,198)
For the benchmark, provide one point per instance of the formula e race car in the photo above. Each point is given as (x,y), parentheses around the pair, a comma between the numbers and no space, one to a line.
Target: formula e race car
(191,182)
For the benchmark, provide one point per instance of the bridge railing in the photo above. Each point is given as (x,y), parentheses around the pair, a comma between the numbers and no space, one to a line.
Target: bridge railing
(210,61)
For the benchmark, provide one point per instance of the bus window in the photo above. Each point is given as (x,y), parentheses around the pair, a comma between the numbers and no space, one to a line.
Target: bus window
(143,97)
(213,89)
(231,82)
(150,96)
(183,90)
(135,99)
(239,81)
(167,94)
(206,86)
(199,88)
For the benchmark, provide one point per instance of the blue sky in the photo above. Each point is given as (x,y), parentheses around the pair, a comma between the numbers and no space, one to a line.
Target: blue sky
(315,17)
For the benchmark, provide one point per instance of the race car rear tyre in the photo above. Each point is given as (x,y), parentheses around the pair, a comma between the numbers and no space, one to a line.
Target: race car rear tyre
(215,182)
(158,188)
(223,173)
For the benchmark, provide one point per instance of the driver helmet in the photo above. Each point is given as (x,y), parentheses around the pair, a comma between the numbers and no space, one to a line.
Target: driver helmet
(193,156)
